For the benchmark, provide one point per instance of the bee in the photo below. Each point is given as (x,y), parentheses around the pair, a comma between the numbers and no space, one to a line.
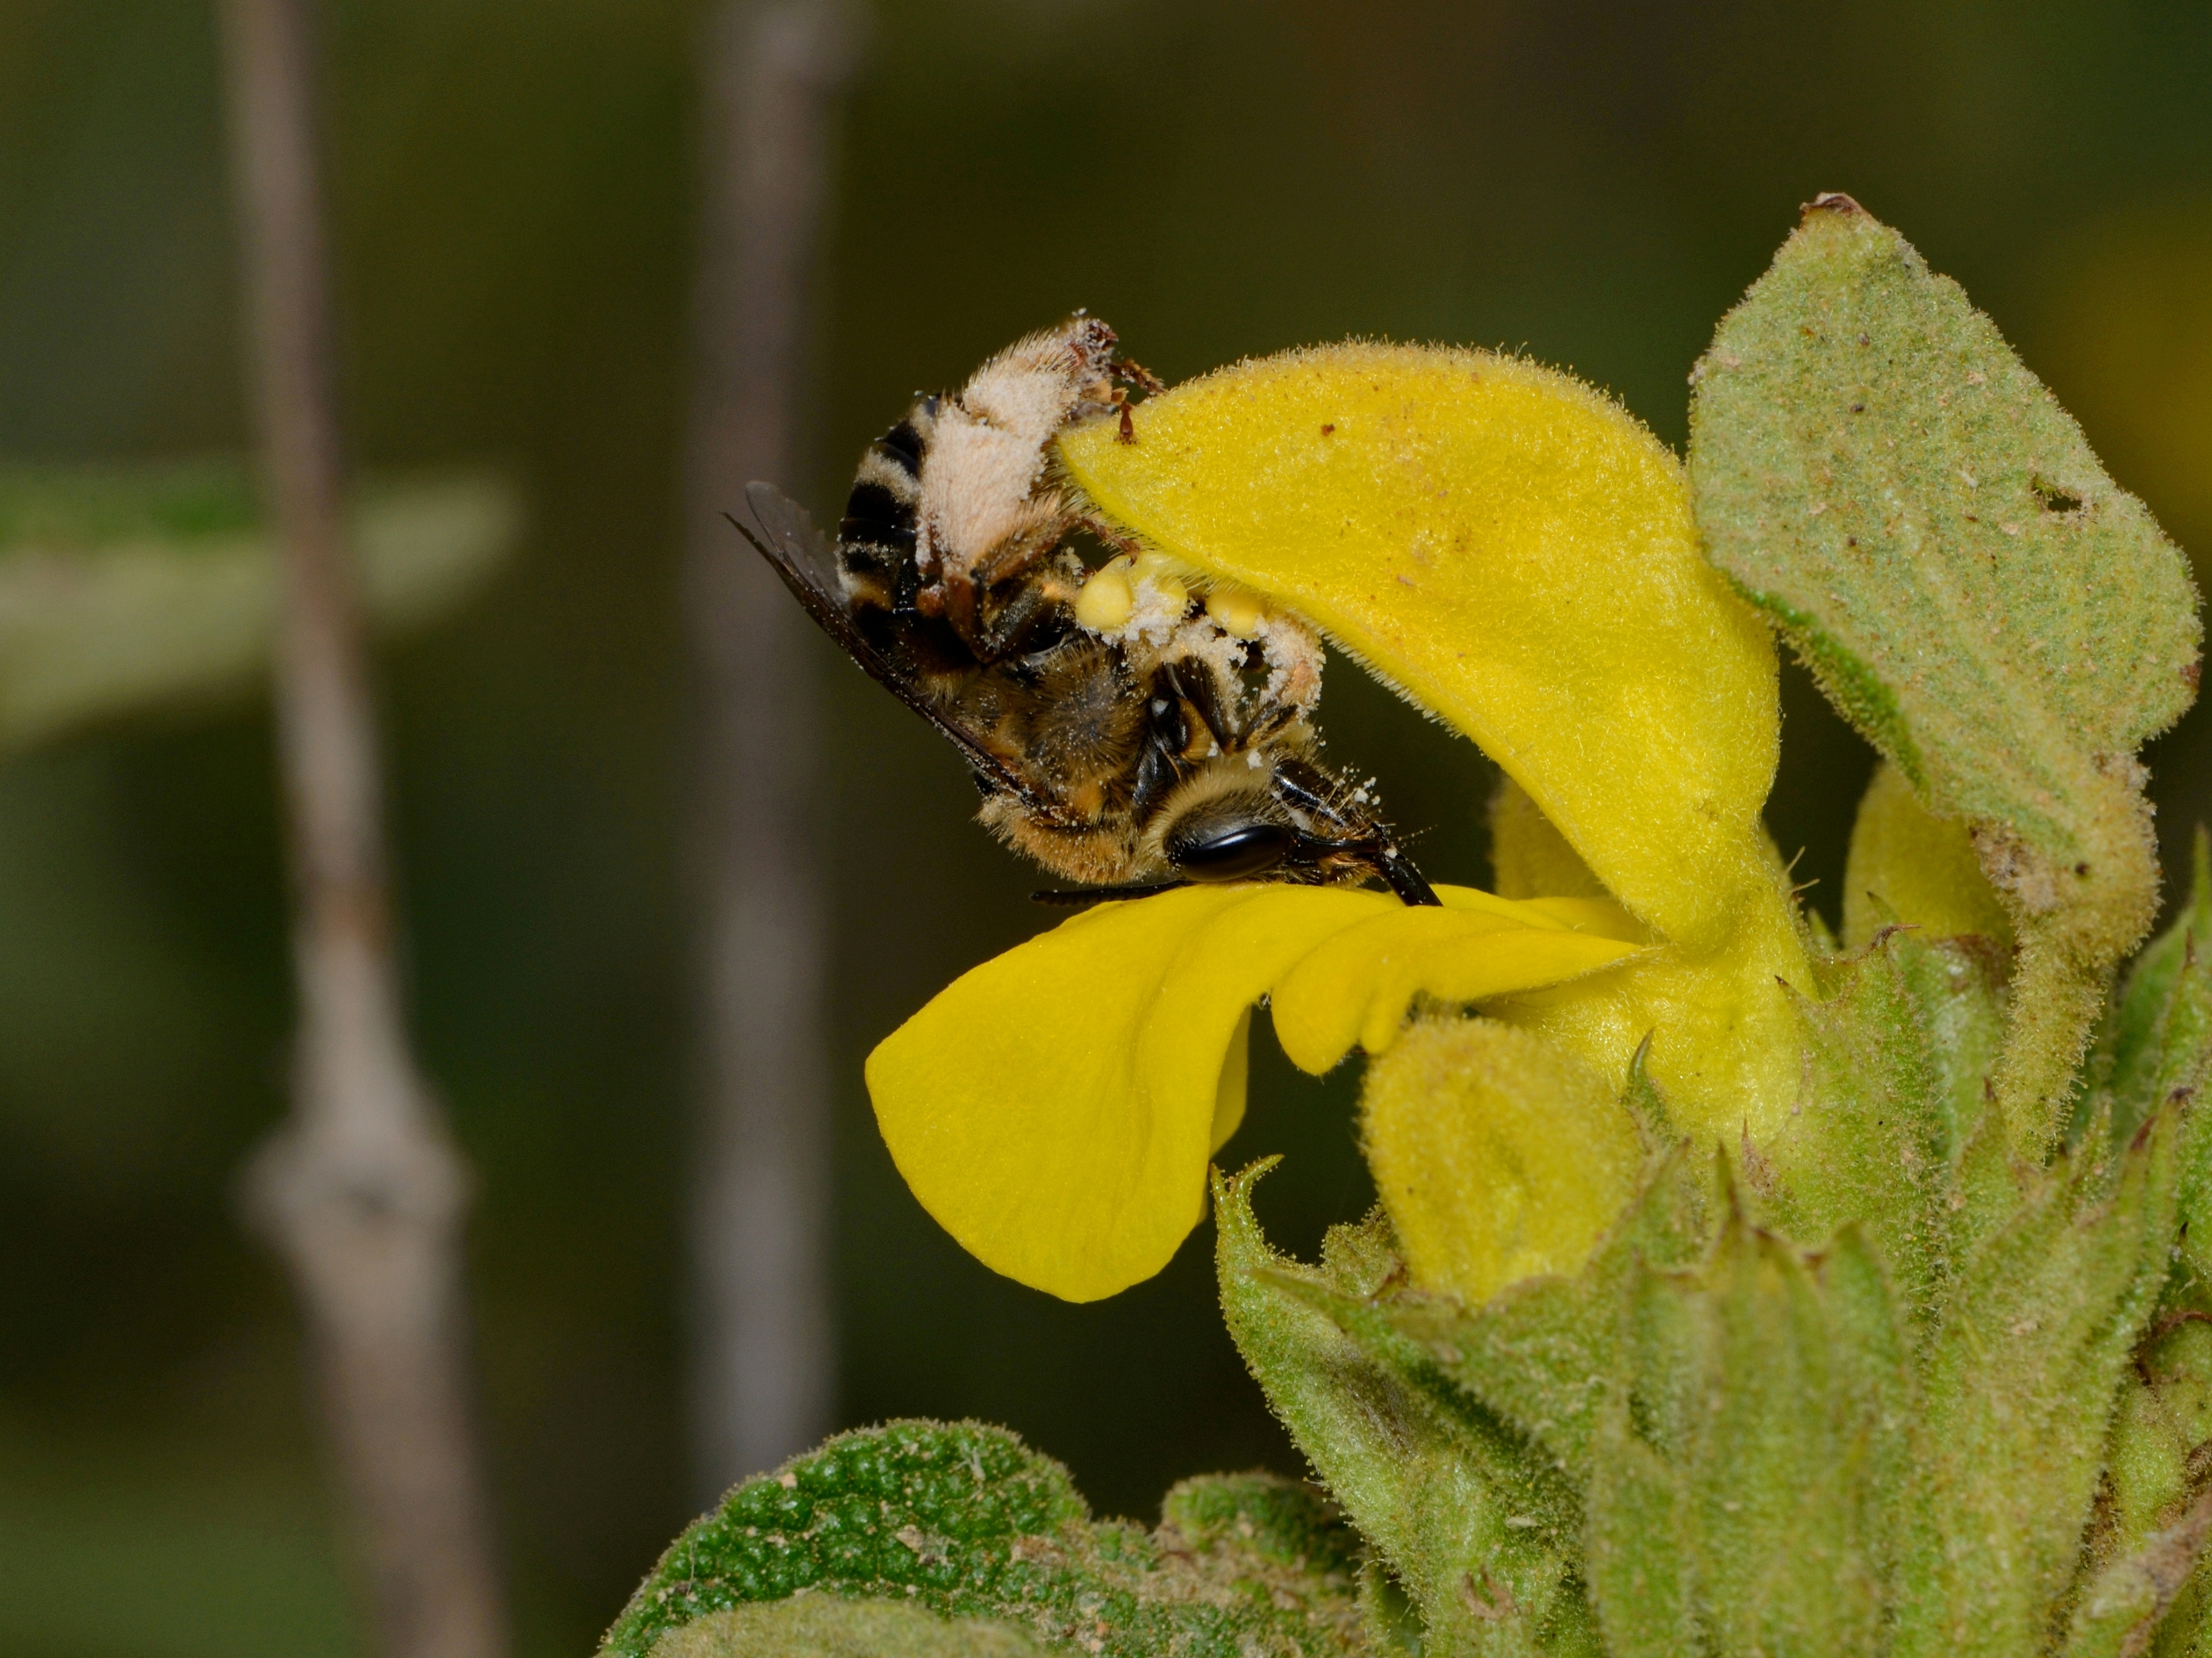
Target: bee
(1127,732)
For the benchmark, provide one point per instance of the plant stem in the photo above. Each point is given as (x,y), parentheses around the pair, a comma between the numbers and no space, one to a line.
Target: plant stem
(362,1191)
(763,1382)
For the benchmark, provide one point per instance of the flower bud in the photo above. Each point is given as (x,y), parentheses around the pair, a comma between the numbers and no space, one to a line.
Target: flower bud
(1499,1154)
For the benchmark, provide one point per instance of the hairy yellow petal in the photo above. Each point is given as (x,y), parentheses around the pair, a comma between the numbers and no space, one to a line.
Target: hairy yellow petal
(1514,552)
(1498,1155)
(1055,1108)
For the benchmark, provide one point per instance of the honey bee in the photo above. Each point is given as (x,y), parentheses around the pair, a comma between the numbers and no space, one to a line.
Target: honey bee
(1126,731)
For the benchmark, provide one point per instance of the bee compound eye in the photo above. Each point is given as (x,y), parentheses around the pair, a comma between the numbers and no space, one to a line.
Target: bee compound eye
(1229,852)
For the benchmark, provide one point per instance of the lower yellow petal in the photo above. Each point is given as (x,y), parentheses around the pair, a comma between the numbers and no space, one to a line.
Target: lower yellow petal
(1054,1108)
(1356,987)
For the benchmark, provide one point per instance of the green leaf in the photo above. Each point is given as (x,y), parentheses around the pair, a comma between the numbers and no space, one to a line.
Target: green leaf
(1538,1356)
(2155,1044)
(2018,1393)
(819,1627)
(1873,463)
(123,588)
(1642,1571)
(1471,1520)
(964,1521)
(1874,467)
(2154,1466)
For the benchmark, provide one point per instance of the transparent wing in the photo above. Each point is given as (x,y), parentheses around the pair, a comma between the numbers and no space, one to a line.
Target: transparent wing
(807,561)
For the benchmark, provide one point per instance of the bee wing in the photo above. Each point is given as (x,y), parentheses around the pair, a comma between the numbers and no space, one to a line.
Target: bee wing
(807,561)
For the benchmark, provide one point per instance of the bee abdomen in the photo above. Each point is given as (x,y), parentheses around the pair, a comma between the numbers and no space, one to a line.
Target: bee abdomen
(876,517)
(901,446)
(886,490)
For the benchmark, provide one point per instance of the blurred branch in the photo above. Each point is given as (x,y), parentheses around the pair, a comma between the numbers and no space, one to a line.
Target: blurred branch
(764,1380)
(363,1191)
(124,587)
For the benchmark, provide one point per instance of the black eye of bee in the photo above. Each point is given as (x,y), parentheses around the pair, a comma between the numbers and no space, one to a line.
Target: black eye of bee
(1229,851)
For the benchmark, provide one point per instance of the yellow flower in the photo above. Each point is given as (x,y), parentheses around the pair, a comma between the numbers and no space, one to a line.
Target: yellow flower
(1515,553)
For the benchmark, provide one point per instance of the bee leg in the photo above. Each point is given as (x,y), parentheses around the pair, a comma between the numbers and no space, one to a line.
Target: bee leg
(1137,375)
(1194,684)
(1405,881)
(1081,897)
(1026,623)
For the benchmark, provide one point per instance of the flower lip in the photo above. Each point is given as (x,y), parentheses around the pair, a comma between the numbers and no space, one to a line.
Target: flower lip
(1056,1107)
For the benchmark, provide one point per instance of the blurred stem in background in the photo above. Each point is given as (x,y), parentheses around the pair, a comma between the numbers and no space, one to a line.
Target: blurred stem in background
(363,1191)
(764,1378)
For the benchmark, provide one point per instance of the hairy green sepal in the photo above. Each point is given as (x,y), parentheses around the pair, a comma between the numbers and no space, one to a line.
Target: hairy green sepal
(1895,1393)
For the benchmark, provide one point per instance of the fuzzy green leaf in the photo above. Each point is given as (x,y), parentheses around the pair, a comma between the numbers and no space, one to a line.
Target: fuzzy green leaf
(1471,1520)
(1875,468)
(964,1521)
(2121,1609)
(1642,1571)
(2017,1398)
(2155,1044)
(2156,1465)
(1898,1055)
(1539,1355)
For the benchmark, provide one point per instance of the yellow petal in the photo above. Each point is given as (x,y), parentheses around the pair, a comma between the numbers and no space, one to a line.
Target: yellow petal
(1055,1108)
(1356,987)
(1514,552)
(1908,864)
(1498,1155)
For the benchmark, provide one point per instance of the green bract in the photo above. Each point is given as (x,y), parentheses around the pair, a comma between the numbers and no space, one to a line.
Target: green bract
(1747,1296)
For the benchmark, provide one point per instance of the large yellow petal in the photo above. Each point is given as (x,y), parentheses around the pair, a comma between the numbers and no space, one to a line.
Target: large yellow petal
(1055,1108)
(1515,553)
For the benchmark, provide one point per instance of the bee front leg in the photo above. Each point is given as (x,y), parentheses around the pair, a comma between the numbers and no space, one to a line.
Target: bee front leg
(1397,869)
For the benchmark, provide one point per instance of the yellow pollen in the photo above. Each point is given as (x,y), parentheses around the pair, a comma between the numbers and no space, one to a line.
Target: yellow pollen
(1157,571)
(1237,610)
(1108,599)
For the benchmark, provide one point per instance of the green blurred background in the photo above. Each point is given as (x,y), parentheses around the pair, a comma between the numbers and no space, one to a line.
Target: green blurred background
(513,185)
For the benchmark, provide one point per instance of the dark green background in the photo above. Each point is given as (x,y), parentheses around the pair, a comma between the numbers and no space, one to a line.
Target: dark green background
(511,182)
